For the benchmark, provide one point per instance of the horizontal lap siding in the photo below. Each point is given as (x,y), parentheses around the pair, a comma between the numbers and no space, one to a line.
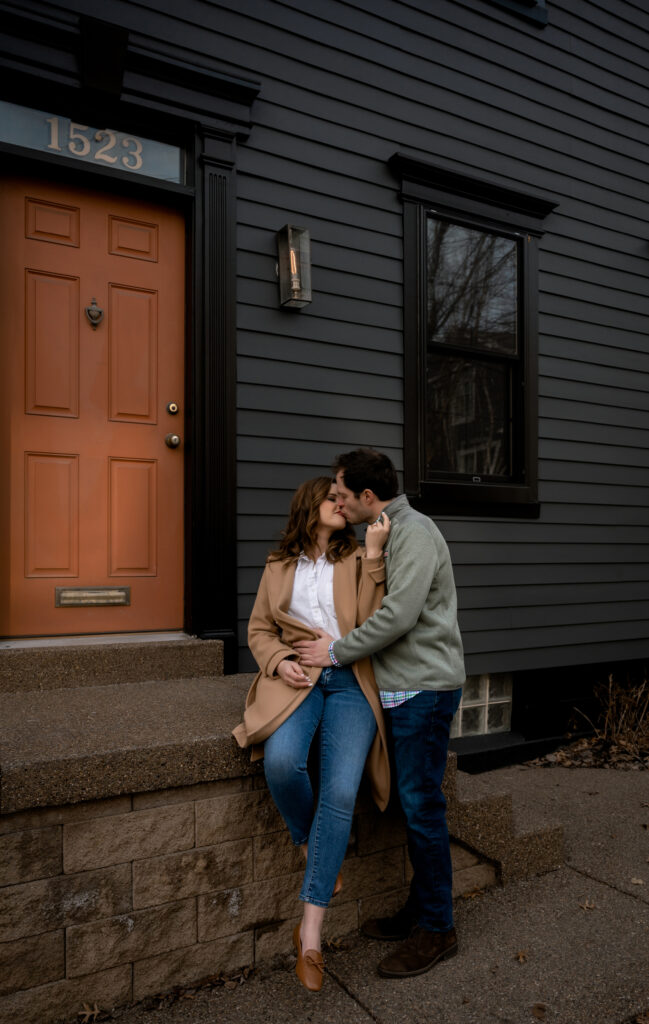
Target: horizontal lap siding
(561,111)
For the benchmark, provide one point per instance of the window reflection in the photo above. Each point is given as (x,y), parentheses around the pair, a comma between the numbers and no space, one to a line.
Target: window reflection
(471,288)
(467,416)
(471,350)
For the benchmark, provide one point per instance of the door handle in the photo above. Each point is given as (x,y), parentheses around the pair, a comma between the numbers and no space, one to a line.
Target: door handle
(172,440)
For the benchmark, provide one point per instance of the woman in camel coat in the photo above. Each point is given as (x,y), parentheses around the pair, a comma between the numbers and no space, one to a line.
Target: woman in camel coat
(319,578)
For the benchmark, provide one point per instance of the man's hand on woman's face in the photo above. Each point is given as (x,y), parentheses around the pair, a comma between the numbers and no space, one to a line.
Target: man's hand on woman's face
(293,674)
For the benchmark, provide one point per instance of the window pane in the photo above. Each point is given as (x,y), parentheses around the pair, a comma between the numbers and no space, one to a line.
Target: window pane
(475,690)
(499,718)
(500,687)
(473,721)
(471,288)
(467,416)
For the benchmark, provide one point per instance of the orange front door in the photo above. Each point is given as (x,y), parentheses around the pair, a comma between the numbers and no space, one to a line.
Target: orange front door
(91,496)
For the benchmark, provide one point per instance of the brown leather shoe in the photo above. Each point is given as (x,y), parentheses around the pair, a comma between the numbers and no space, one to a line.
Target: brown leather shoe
(310,965)
(421,951)
(338,886)
(389,929)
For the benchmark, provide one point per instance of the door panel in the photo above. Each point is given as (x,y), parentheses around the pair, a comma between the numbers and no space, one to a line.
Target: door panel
(90,495)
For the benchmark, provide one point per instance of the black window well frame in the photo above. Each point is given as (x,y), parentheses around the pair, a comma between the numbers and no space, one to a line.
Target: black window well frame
(427,189)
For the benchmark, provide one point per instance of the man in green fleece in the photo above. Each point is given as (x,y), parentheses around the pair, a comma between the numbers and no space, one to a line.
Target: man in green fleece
(416,649)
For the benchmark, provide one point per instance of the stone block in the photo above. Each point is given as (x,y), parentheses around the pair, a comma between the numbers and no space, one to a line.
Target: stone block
(378,872)
(38,959)
(235,817)
(53,903)
(274,940)
(63,1000)
(377,831)
(127,837)
(185,794)
(275,855)
(33,853)
(133,936)
(245,907)
(191,965)
(43,817)
(340,920)
(163,879)
(382,905)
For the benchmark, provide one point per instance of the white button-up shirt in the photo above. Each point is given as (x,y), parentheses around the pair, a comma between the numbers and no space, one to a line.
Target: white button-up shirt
(312,600)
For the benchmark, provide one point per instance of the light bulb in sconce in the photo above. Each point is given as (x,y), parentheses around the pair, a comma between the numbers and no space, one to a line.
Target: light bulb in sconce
(294,266)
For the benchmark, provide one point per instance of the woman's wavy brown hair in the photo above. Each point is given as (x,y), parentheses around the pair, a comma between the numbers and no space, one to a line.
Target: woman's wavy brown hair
(301,531)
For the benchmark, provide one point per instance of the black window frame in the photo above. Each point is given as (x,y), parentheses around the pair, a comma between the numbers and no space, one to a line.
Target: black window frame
(482,205)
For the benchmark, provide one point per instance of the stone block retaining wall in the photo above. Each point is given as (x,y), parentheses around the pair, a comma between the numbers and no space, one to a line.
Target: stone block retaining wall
(113,900)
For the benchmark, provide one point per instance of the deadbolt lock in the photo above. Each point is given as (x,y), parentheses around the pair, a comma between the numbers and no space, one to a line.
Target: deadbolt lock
(172,440)
(172,408)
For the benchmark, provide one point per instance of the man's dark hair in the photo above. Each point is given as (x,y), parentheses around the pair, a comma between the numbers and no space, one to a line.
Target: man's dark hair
(365,468)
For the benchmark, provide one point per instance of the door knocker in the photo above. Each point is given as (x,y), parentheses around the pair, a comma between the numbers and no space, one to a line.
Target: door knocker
(95,314)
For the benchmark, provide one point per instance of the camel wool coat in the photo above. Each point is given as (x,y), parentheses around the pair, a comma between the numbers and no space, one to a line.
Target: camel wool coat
(358,590)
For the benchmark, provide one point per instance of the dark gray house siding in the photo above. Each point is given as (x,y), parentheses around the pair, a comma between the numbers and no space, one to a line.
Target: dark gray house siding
(561,111)
(558,111)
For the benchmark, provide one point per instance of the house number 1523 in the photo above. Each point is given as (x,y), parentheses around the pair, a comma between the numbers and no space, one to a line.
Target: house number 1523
(102,144)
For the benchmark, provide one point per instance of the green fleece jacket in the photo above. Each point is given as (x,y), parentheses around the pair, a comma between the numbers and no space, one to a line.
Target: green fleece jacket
(414,638)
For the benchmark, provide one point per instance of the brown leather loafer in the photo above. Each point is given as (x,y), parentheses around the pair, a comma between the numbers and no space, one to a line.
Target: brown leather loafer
(421,951)
(389,929)
(310,965)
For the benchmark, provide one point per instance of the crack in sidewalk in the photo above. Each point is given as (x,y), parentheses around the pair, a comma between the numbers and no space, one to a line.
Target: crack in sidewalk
(602,881)
(353,997)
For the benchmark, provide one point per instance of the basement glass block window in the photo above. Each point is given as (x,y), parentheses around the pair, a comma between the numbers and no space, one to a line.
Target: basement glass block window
(486,706)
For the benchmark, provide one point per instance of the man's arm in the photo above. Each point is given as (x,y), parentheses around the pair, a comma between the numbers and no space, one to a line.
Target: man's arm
(413,565)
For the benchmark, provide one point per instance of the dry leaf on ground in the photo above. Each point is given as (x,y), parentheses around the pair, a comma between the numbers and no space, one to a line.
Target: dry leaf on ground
(89,1013)
(587,905)
(521,956)
(473,894)
(538,1011)
(637,881)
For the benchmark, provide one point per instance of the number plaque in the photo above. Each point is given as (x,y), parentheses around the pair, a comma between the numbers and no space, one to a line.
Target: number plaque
(103,147)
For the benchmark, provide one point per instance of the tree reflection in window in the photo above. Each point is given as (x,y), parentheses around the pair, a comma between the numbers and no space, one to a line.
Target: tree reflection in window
(471,350)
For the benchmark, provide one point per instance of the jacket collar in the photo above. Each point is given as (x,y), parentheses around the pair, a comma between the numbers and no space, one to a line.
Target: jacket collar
(396,505)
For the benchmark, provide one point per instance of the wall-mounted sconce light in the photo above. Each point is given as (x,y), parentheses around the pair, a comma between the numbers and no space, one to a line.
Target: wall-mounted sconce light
(294,266)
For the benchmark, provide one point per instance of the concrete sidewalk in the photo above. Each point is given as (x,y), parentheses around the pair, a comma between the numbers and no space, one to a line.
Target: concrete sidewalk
(570,947)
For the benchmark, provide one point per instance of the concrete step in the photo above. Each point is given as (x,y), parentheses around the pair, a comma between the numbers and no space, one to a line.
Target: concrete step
(60,662)
(126,729)
(503,828)
(69,745)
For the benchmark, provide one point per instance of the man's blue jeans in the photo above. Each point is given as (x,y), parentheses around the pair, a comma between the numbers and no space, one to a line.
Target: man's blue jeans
(347,728)
(418,731)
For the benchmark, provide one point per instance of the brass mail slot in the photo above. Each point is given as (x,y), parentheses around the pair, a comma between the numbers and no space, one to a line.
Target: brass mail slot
(76,597)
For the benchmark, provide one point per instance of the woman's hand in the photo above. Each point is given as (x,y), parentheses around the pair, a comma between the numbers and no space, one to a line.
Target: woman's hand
(376,536)
(293,674)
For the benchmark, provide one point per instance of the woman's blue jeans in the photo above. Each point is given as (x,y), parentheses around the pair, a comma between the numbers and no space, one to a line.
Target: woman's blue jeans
(418,732)
(347,728)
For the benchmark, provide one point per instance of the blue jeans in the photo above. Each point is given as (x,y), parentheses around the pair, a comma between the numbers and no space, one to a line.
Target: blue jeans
(347,728)
(418,731)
